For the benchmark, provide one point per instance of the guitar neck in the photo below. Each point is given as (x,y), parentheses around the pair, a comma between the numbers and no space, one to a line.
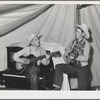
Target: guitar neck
(40,57)
(53,54)
(43,56)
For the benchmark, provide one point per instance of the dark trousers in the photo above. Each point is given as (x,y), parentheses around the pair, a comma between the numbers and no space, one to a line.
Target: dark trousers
(32,73)
(81,72)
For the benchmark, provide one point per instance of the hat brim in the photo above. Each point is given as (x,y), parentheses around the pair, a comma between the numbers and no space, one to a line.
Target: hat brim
(87,35)
(37,35)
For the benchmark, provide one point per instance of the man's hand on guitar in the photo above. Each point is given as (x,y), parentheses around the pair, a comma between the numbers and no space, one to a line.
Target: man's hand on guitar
(65,58)
(24,61)
(47,55)
(71,57)
(21,61)
(27,61)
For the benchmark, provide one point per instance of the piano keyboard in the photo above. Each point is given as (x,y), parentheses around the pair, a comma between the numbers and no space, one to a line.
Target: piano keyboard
(14,75)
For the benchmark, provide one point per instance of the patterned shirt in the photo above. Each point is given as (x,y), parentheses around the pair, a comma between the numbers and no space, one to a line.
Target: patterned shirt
(83,48)
(80,49)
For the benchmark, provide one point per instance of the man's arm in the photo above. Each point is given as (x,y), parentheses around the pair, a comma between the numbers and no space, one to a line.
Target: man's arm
(46,60)
(17,55)
(67,51)
(65,56)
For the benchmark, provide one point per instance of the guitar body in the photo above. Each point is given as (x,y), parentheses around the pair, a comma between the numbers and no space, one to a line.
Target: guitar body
(20,68)
(71,60)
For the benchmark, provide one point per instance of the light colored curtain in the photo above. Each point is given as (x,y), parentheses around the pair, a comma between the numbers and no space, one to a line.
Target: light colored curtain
(60,25)
(55,23)
(17,15)
(91,16)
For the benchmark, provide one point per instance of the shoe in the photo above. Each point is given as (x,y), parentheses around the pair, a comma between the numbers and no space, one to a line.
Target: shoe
(97,89)
(55,88)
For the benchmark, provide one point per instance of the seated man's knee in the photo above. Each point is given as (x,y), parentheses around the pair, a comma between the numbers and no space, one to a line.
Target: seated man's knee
(58,67)
(34,70)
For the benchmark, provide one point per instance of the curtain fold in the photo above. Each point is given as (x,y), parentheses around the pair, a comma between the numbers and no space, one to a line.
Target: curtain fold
(91,16)
(8,6)
(16,18)
(60,25)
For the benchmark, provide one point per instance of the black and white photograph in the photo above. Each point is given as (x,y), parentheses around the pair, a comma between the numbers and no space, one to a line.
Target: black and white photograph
(50,47)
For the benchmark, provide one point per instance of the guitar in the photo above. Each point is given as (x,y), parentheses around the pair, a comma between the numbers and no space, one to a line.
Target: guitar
(31,60)
(74,55)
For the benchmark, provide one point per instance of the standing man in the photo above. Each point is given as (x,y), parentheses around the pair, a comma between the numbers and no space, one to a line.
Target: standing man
(34,47)
(76,58)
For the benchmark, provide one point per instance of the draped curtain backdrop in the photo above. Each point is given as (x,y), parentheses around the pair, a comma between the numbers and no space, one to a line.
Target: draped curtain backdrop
(91,16)
(56,23)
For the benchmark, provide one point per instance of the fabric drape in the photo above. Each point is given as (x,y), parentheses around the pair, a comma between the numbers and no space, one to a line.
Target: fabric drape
(11,18)
(91,16)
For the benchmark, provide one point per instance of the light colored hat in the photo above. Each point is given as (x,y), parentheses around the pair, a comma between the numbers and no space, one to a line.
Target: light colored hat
(31,36)
(85,29)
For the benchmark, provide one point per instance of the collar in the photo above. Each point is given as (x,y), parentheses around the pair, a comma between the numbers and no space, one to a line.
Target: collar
(80,42)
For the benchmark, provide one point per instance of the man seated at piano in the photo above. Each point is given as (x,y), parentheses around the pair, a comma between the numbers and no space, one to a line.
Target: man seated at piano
(24,57)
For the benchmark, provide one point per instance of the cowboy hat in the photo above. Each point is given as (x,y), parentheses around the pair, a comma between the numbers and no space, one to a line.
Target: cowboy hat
(85,29)
(31,36)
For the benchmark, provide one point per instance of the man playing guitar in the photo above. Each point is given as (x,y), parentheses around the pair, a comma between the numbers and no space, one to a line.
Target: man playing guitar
(34,47)
(76,57)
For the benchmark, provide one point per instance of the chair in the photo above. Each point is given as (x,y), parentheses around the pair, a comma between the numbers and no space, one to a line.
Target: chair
(13,80)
